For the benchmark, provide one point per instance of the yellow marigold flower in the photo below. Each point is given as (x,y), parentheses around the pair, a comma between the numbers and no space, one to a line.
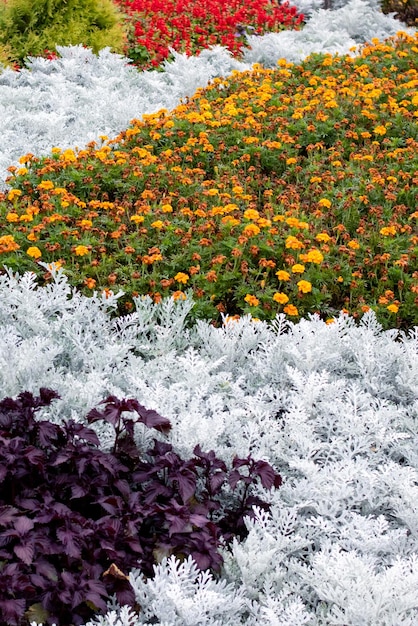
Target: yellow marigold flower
(251,300)
(213,192)
(278,218)
(393,308)
(291,161)
(353,244)
(81,250)
(251,230)
(251,214)
(46,185)
(34,252)
(157,224)
(13,193)
(22,171)
(340,279)
(86,224)
(32,237)
(12,217)
(263,222)
(283,275)
(314,256)
(325,202)
(280,297)
(304,286)
(237,189)
(330,320)
(386,231)
(181,277)
(137,219)
(293,243)
(167,208)
(324,237)
(379,130)
(290,309)
(315,179)
(298,268)
(55,265)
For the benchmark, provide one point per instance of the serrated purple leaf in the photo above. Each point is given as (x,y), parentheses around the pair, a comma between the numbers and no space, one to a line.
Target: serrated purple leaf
(24,552)
(23,525)
(12,611)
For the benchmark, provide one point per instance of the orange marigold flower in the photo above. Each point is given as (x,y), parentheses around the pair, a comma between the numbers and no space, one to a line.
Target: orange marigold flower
(34,252)
(211,276)
(304,286)
(353,244)
(251,300)
(251,214)
(90,283)
(283,275)
(12,217)
(251,230)
(280,297)
(290,309)
(325,202)
(293,243)
(179,295)
(181,277)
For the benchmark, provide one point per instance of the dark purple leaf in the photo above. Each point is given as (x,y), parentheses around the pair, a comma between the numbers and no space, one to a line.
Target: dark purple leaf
(24,552)
(267,474)
(12,611)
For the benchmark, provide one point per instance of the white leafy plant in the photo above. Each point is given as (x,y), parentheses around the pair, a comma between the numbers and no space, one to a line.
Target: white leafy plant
(333,407)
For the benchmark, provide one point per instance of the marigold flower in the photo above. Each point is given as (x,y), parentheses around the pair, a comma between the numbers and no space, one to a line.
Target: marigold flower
(314,256)
(81,250)
(90,283)
(46,185)
(137,219)
(280,297)
(251,300)
(290,309)
(291,161)
(34,252)
(8,244)
(283,275)
(293,243)
(298,268)
(353,244)
(379,130)
(12,217)
(304,286)
(386,231)
(181,277)
(13,193)
(323,237)
(167,208)
(179,295)
(211,276)
(251,214)
(393,308)
(251,230)
(157,224)
(325,202)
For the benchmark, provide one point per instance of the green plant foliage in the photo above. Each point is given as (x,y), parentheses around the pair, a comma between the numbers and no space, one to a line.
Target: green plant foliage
(30,27)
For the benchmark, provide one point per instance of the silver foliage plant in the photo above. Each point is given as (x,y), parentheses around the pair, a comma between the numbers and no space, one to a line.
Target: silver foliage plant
(334,408)
(70,101)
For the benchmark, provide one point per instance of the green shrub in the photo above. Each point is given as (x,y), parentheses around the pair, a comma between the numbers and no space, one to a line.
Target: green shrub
(29,27)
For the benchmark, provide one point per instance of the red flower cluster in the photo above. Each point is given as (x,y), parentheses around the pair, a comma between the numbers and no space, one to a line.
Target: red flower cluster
(191,25)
